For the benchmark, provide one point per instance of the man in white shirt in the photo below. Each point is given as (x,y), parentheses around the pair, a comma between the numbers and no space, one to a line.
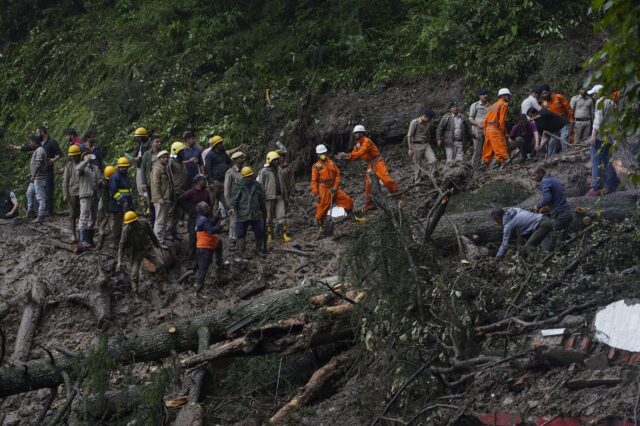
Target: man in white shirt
(531,101)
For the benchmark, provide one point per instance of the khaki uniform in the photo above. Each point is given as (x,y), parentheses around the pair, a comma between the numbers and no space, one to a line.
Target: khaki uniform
(231,178)
(161,191)
(71,189)
(139,242)
(275,195)
(583,111)
(420,133)
(179,178)
(477,112)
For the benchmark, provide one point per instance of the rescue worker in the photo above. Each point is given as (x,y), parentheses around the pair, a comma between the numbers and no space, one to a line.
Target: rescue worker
(583,111)
(325,184)
(149,159)
(455,131)
(121,198)
(162,193)
(287,176)
(477,112)
(192,154)
(216,164)
(232,178)
(70,189)
(604,178)
(180,181)
(207,242)
(557,104)
(419,141)
(141,137)
(251,210)
(495,130)
(88,181)
(553,200)
(189,201)
(533,226)
(38,175)
(103,205)
(365,149)
(275,195)
(140,243)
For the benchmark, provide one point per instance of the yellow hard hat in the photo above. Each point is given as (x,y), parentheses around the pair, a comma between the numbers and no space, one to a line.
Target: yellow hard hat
(272,155)
(246,171)
(216,140)
(122,162)
(73,150)
(109,171)
(140,131)
(130,216)
(176,147)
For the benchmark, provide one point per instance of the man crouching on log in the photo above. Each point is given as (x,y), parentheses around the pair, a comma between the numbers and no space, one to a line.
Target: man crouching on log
(138,237)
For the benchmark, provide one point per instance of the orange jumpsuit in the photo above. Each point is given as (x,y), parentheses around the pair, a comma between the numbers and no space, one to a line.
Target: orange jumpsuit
(495,130)
(370,153)
(325,175)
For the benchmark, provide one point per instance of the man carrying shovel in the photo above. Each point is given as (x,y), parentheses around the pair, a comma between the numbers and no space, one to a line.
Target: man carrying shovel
(325,185)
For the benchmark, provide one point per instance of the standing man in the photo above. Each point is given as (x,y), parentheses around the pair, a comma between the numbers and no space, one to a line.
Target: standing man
(603,175)
(232,178)
(208,243)
(477,112)
(525,136)
(38,175)
(275,195)
(365,149)
(141,137)
(149,159)
(287,176)
(553,200)
(419,140)
(88,181)
(162,189)
(140,243)
(189,201)
(495,130)
(251,210)
(192,154)
(531,101)
(89,144)
(121,197)
(455,131)
(179,180)
(583,110)
(557,104)
(103,205)
(71,189)
(216,165)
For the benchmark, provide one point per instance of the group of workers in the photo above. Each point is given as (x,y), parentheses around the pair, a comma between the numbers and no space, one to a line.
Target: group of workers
(545,125)
(214,189)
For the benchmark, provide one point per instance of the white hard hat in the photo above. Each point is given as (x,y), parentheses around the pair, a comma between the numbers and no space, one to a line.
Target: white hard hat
(162,153)
(359,128)
(595,89)
(321,149)
(503,91)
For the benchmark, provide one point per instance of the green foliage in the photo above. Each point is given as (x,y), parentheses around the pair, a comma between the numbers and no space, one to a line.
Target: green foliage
(617,64)
(98,365)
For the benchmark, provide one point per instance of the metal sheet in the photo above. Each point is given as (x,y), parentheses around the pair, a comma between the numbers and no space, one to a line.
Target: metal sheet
(618,325)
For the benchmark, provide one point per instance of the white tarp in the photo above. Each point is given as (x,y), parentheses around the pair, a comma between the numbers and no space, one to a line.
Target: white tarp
(337,212)
(618,325)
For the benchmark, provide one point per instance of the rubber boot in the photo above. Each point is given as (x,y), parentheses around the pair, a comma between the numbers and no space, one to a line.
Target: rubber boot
(83,239)
(74,233)
(269,234)
(260,250)
(285,237)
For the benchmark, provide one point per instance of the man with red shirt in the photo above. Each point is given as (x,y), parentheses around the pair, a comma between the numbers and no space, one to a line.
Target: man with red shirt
(189,200)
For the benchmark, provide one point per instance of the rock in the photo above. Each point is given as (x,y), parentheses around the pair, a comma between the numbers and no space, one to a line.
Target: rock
(11,420)
(572,320)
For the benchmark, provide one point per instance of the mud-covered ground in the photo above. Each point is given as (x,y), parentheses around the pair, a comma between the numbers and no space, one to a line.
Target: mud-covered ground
(27,257)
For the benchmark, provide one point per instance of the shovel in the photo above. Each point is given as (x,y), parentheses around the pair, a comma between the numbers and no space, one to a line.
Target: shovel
(327,229)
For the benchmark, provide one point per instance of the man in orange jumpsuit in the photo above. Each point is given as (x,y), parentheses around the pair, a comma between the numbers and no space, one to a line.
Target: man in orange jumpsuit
(495,130)
(365,148)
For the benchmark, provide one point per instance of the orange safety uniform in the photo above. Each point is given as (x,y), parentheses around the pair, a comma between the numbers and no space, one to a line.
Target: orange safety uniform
(325,175)
(495,130)
(366,149)
(558,104)
(205,240)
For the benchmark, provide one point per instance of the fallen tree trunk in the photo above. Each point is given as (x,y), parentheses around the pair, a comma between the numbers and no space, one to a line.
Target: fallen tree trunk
(29,322)
(155,343)
(481,229)
(192,414)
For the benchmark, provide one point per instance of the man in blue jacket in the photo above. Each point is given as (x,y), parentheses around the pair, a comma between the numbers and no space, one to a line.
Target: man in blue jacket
(121,197)
(553,200)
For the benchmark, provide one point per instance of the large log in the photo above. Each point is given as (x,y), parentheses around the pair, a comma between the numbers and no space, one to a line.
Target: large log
(481,229)
(34,299)
(155,343)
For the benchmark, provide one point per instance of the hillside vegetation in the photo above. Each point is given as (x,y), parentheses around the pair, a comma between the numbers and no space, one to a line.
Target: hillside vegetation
(217,66)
